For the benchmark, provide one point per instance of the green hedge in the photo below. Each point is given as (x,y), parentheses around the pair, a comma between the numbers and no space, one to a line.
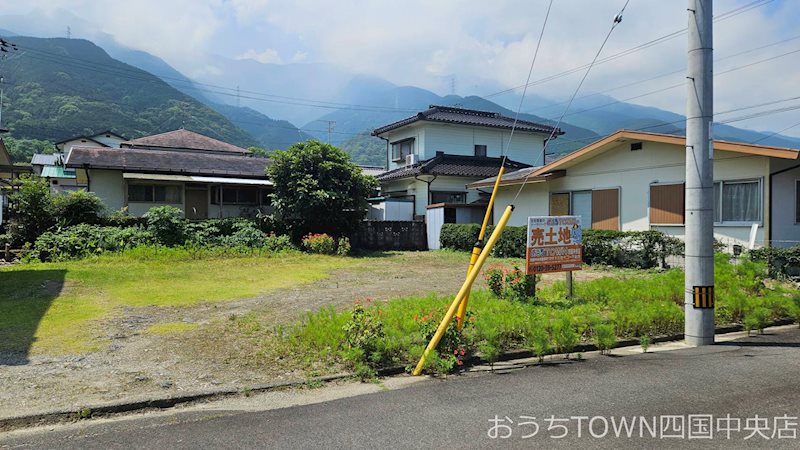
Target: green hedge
(642,249)
(781,262)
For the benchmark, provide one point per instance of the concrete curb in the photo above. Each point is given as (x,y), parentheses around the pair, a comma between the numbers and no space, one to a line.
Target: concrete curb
(111,409)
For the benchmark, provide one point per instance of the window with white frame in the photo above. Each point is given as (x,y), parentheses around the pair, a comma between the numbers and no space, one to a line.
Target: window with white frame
(737,201)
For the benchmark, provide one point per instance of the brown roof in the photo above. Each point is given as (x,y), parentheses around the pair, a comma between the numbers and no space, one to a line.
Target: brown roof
(184,140)
(621,136)
(168,162)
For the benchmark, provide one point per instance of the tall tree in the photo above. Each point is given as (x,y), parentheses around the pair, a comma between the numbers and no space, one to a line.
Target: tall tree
(318,190)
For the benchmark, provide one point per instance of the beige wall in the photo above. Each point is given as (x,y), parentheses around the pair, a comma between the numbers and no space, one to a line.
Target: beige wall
(633,172)
(109,186)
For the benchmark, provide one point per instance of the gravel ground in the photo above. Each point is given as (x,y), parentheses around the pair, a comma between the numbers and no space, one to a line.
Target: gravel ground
(137,365)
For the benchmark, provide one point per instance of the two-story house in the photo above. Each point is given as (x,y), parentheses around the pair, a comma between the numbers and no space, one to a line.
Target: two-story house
(434,154)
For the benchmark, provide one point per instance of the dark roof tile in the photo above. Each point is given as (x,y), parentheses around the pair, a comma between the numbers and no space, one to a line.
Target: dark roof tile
(184,140)
(449,114)
(170,162)
(452,165)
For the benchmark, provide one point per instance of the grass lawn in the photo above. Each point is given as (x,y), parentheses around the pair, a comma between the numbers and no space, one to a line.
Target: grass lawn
(54,308)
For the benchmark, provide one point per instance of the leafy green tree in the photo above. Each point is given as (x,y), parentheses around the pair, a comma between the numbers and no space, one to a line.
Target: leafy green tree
(78,207)
(318,190)
(21,150)
(32,207)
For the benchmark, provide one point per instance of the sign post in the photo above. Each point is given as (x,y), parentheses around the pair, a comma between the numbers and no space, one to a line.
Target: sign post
(555,244)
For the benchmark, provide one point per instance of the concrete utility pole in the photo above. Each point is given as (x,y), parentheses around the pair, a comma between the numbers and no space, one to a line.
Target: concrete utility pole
(699,294)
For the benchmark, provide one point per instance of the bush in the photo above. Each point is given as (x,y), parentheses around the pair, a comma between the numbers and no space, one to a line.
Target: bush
(343,246)
(122,218)
(167,225)
(781,262)
(537,339)
(319,243)
(32,208)
(83,240)
(511,284)
(638,249)
(365,339)
(564,335)
(78,207)
(278,243)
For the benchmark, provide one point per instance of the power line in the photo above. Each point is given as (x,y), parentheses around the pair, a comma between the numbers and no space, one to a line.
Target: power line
(617,21)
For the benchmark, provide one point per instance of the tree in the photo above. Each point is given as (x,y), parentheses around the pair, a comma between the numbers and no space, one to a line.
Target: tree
(318,190)
(32,206)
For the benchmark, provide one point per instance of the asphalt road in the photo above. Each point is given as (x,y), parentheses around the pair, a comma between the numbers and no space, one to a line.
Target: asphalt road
(752,379)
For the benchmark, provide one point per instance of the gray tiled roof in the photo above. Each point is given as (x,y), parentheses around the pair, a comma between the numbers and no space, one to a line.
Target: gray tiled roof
(449,114)
(452,165)
(40,159)
(170,162)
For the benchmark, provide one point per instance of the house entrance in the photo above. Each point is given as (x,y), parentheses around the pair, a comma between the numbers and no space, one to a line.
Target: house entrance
(196,203)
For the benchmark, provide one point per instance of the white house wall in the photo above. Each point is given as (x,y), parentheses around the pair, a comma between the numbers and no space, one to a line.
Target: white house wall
(633,172)
(461,140)
(413,131)
(785,229)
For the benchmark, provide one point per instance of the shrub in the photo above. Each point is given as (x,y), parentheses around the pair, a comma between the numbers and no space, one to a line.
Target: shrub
(32,207)
(604,337)
(278,243)
(343,246)
(167,224)
(365,338)
(247,235)
(319,243)
(122,218)
(459,236)
(511,284)
(757,319)
(78,207)
(781,262)
(495,279)
(83,240)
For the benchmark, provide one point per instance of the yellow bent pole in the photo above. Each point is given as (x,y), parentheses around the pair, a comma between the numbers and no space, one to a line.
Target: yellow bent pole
(476,250)
(464,289)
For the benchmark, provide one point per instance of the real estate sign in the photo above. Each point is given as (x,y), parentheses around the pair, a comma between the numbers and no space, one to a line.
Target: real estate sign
(554,244)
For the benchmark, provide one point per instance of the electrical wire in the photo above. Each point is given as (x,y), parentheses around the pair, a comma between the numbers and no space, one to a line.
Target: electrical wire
(617,21)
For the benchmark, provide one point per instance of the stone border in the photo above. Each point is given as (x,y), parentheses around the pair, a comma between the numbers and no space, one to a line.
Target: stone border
(112,409)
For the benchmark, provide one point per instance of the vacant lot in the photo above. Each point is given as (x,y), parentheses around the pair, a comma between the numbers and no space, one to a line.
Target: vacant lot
(149,322)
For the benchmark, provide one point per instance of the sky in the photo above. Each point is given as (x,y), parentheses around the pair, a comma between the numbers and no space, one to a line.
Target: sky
(468,47)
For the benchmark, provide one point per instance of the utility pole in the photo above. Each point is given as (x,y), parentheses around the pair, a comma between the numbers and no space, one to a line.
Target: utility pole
(699,283)
(331,126)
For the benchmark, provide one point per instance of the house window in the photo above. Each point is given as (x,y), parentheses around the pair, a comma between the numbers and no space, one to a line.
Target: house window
(667,204)
(401,149)
(448,197)
(598,209)
(636,146)
(737,201)
(480,150)
(234,196)
(154,193)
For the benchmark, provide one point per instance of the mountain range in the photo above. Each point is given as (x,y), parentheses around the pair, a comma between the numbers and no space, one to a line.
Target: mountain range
(57,88)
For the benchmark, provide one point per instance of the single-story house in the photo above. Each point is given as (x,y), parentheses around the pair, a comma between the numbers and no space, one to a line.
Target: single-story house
(632,180)
(202,176)
(433,154)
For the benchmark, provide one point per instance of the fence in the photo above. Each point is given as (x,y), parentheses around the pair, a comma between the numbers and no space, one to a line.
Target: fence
(391,235)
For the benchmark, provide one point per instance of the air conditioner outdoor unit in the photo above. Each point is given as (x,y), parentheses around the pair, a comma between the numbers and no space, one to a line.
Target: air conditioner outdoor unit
(411,160)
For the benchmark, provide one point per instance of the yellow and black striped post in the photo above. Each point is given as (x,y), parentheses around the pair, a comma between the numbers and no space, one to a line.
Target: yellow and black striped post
(703,297)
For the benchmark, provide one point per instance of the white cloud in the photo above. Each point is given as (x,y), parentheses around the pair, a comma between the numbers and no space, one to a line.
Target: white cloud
(485,45)
(268,56)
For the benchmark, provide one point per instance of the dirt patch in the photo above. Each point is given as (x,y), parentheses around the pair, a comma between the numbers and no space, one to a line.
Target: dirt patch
(136,365)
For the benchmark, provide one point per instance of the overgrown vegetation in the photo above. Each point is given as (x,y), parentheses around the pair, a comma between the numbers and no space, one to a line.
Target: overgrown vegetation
(634,305)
